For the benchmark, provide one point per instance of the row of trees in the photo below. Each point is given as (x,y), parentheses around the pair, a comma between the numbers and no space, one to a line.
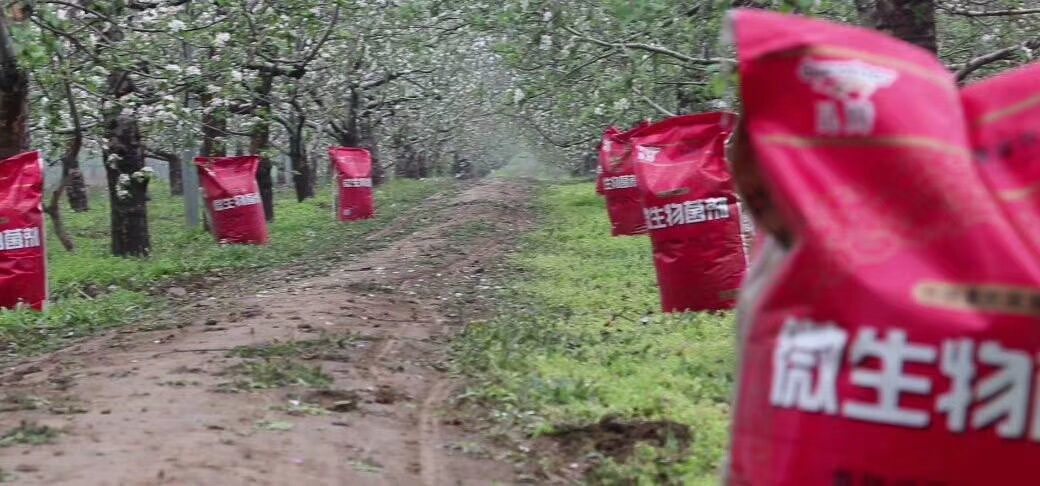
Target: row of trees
(431,87)
(583,65)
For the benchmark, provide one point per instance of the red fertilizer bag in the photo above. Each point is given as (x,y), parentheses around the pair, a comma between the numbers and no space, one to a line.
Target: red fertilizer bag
(355,199)
(618,181)
(691,211)
(233,199)
(893,339)
(1004,121)
(23,259)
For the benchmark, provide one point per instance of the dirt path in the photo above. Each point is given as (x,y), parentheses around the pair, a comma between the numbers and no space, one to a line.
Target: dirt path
(335,379)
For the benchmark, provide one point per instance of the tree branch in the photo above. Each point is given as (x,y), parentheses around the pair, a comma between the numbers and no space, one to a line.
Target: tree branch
(653,104)
(995,56)
(991,13)
(650,48)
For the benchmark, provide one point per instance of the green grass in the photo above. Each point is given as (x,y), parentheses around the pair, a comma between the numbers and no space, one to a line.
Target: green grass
(580,339)
(306,232)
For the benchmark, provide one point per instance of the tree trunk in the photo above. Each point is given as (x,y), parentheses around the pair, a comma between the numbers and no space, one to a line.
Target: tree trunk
(72,180)
(172,160)
(910,20)
(14,100)
(260,142)
(127,181)
(378,171)
(302,173)
(214,128)
(176,177)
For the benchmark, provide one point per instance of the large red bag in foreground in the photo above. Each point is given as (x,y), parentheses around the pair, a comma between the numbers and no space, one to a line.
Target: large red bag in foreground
(23,259)
(691,211)
(233,198)
(895,342)
(617,183)
(1004,119)
(355,199)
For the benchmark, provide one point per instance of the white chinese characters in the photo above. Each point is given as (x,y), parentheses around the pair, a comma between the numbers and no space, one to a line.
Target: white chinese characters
(689,212)
(20,239)
(987,385)
(236,201)
(360,182)
(619,182)
(891,381)
(806,362)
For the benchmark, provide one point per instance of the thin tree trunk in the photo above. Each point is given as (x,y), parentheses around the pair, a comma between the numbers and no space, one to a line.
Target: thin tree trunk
(910,20)
(172,160)
(302,173)
(72,177)
(214,128)
(260,142)
(176,177)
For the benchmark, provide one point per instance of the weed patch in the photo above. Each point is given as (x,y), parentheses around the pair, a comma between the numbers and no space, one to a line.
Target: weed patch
(326,348)
(29,433)
(276,373)
(579,340)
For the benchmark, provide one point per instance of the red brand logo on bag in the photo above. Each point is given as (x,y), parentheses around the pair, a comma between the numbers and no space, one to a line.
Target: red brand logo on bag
(850,84)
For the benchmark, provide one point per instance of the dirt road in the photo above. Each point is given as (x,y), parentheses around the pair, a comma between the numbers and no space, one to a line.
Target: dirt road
(279,379)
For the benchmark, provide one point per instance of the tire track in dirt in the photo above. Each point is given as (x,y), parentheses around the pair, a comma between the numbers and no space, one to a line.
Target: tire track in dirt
(176,406)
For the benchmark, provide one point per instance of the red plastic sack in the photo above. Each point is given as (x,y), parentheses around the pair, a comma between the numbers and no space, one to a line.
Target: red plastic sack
(691,211)
(233,199)
(895,342)
(23,257)
(355,199)
(617,182)
(1004,120)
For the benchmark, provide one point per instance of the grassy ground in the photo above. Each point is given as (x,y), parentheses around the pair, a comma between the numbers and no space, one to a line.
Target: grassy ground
(580,340)
(301,231)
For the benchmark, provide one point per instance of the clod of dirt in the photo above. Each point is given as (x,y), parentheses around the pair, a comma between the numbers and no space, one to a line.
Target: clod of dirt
(385,395)
(177,292)
(617,439)
(334,400)
(343,406)
(211,322)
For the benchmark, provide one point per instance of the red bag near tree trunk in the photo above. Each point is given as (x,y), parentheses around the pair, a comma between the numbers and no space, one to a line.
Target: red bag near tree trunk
(606,145)
(1003,116)
(895,340)
(690,209)
(23,256)
(233,199)
(355,199)
(617,183)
